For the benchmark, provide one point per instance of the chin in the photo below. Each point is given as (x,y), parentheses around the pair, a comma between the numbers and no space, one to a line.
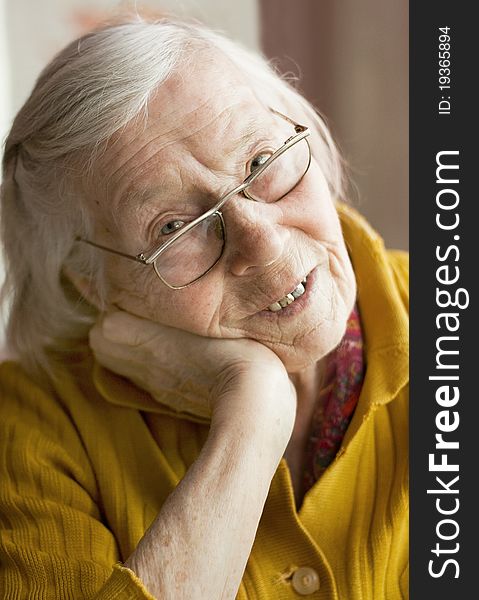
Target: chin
(312,347)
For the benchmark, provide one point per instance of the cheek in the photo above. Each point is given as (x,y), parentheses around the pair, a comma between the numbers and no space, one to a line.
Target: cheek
(311,208)
(190,310)
(134,288)
(139,291)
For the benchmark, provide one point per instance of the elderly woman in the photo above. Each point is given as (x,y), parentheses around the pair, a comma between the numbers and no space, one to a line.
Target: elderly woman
(235,424)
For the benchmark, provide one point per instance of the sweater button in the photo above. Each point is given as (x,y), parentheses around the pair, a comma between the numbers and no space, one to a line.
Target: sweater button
(305,581)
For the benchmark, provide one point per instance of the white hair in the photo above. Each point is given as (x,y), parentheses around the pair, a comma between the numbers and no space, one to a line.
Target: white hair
(91,90)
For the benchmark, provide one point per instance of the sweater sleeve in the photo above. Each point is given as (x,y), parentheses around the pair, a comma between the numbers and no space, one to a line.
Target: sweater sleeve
(53,541)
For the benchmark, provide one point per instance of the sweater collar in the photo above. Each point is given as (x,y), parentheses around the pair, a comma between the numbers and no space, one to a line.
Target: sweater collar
(383,305)
(382,297)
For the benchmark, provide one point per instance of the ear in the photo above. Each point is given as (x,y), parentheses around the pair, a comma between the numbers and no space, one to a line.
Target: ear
(84,286)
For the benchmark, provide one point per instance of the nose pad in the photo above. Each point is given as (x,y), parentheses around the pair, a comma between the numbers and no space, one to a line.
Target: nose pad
(254,240)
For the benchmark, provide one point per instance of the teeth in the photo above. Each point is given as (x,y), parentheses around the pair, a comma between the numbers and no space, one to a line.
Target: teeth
(286,300)
(275,307)
(289,298)
(299,291)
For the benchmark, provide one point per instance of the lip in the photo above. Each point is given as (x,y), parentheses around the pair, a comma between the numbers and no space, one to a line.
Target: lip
(299,304)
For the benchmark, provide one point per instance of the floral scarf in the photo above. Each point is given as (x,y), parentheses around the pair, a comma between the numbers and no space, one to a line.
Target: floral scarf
(338,399)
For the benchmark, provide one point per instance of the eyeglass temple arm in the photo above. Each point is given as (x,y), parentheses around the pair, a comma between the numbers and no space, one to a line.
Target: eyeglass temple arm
(140,258)
(294,123)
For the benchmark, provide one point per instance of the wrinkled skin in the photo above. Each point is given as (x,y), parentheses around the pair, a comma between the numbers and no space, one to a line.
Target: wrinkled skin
(190,154)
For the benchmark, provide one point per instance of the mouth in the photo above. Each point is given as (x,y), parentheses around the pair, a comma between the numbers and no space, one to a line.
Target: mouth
(285,301)
(293,301)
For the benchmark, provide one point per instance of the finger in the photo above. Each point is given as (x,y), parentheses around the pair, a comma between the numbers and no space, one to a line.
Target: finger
(121,359)
(102,346)
(124,328)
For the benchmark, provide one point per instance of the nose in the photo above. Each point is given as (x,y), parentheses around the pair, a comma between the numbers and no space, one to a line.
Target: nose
(255,237)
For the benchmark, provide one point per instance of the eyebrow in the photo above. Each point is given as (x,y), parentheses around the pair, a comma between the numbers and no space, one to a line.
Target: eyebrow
(251,130)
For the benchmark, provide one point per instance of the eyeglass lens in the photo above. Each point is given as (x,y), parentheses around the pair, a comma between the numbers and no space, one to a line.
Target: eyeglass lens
(282,175)
(193,254)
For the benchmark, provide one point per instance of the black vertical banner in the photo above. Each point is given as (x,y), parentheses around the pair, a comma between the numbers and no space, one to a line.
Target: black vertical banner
(444,230)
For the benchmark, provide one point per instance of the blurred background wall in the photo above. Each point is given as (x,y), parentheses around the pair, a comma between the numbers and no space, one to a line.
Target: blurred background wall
(351,58)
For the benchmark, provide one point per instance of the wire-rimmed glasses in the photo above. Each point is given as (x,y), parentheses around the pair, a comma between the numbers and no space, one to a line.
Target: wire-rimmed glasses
(192,249)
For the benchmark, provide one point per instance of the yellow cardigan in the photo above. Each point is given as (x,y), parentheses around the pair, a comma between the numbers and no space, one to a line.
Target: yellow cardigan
(84,472)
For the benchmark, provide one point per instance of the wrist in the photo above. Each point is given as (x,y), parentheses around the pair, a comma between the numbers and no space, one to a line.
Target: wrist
(257,412)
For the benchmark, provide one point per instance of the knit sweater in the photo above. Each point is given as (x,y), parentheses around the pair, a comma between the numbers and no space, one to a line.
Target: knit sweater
(84,470)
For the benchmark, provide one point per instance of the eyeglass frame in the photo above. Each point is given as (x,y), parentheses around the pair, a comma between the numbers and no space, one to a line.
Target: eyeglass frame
(302,133)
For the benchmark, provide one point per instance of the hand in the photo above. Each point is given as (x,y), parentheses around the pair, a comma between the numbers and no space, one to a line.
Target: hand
(194,374)
(252,402)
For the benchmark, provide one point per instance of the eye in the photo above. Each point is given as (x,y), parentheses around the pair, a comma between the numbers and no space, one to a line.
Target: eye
(258,161)
(171,227)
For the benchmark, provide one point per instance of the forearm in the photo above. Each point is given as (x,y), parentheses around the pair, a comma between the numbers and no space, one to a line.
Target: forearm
(200,542)
(198,545)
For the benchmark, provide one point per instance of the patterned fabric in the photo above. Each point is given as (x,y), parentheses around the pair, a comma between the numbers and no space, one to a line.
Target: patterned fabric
(337,401)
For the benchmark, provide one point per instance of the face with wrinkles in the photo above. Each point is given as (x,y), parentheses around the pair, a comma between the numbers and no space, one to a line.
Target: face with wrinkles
(202,134)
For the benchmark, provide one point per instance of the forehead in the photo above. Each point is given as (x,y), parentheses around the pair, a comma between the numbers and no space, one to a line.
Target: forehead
(207,94)
(206,86)
(203,108)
